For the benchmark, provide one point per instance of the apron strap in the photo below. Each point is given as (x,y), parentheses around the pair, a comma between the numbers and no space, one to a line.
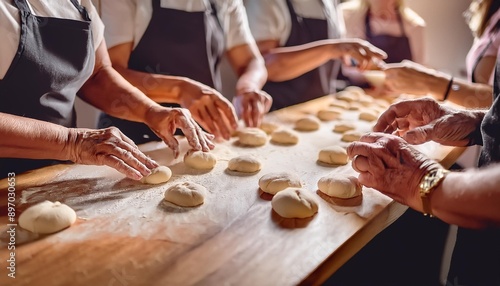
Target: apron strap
(293,14)
(22,5)
(82,10)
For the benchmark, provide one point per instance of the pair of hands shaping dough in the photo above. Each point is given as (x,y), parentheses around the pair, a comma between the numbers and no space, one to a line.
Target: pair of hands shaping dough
(387,162)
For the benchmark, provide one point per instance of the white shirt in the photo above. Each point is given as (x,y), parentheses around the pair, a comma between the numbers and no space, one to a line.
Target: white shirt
(127,20)
(271,20)
(10,23)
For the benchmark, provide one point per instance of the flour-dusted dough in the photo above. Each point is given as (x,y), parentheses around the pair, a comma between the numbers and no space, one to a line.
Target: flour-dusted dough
(308,123)
(200,160)
(340,186)
(329,114)
(333,155)
(186,194)
(273,183)
(268,127)
(347,96)
(351,136)
(356,106)
(355,89)
(342,127)
(366,100)
(340,104)
(244,164)
(382,103)
(294,203)
(285,137)
(252,136)
(158,175)
(368,115)
(47,217)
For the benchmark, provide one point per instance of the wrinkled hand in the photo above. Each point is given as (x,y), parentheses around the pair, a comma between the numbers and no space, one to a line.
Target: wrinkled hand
(108,147)
(252,105)
(364,53)
(164,121)
(387,163)
(421,120)
(408,77)
(209,108)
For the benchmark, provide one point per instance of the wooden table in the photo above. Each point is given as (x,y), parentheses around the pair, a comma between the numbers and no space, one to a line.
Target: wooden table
(126,235)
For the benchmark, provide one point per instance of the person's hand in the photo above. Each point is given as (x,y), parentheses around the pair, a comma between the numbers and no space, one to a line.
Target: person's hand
(365,54)
(421,120)
(410,77)
(164,121)
(209,108)
(390,165)
(252,105)
(108,147)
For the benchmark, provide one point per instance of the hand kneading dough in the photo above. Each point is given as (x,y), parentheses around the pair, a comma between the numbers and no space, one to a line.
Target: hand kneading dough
(308,123)
(158,175)
(285,136)
(252,137)
(186,194)
(199,160)
(273,183)
(244,164)
(47,217)
(334,155)
(329,114)
(351,136)
(343,127)
(368,115)
(294,203)
(268,127)
(340,186)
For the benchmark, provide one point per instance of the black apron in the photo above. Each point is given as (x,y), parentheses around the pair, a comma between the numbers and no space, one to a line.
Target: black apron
(396,47)
(315,83)
(476,257)
(179,43)
(55,57)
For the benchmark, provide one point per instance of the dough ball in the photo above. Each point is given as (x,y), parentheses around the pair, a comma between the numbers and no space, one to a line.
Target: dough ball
(308,123)
(365,100)
(368,115)
(329,114)
(343,127)
(273,183)
(252,137)
(268,127)
(351,136)
(340,104)
(244,164)
(186,194)
(382,103)
(333,155)
(356,106)
(294,203)
(356,90)
(47,217)
(199,160)
(285,136)
(340,186)
(158,175)
(348,96)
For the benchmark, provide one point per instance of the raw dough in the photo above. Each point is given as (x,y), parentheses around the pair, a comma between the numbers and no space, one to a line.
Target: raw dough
(329,114)
(244,164)
(351,136)
(294,203)
(355,89)
(273,183)
(333,155)
(158,175)
(347,96)
(285,136)
(47,217)
(268,127)
(368,115)
(252,137)
(365,100)
(382,103)
(186,194)
(308,123)
(340,104)
(340,186)
(343,127)
(356,106)
(374,77)
(200,160)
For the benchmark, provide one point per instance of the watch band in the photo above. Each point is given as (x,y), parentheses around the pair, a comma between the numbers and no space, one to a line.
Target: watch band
(428,183)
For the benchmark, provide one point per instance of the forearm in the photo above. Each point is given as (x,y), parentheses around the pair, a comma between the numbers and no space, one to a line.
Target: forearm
(470,198)
(29,138)
(252,78)
(290,62)
(462,92)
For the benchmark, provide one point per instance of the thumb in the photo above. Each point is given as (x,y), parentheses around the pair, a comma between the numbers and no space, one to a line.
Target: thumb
(420,134)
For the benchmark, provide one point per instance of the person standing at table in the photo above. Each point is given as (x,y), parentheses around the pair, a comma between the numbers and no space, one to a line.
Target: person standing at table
(302,46)
(51,53)
(150,39)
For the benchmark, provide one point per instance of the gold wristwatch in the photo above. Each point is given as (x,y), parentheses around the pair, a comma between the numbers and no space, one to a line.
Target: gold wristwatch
(428,183)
